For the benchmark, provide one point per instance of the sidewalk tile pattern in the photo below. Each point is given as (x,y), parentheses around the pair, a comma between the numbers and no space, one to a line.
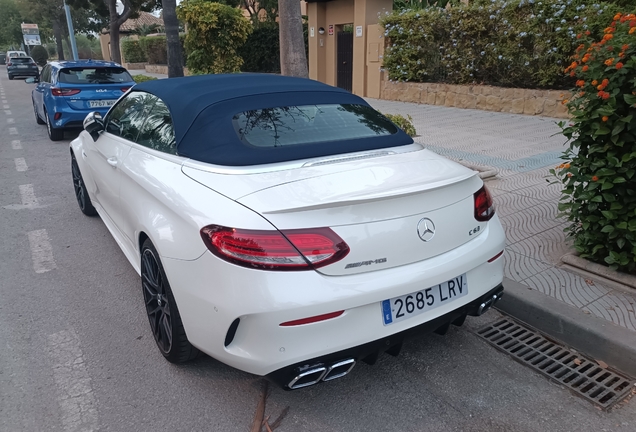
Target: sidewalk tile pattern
(522,149)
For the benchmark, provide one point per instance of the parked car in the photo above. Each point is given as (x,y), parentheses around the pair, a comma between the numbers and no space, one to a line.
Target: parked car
(22,67)
(3,58)
(14,53)
(283,226)
(68,90)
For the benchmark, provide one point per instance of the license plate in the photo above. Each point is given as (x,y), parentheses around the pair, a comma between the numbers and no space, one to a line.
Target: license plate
(400,308)
(22,66)
(101,103)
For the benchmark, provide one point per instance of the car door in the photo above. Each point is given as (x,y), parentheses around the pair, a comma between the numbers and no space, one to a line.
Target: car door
(43,86)
(106,155)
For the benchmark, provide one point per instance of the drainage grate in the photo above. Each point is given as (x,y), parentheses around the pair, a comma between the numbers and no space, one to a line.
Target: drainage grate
(582,375)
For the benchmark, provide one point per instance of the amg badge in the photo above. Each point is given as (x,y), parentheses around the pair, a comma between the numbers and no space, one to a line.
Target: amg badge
(365,263)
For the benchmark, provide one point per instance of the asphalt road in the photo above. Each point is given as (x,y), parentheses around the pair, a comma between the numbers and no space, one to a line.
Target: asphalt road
(76,353)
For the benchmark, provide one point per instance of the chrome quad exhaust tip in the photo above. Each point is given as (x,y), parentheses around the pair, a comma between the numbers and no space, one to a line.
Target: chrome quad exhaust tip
(316,374)
(488,303)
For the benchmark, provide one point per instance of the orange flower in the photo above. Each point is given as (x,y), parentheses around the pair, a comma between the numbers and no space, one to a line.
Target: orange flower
(585,68)
(609,61)
(603,95)
(610,48)
(608,36)
(624,47)
(594,178)
(605,118)
(618,16)
(566,166)
(578,36)
(632,24)
(608,30)
(605,82)
(564,101)
(594,82)
(600,87)
(619,65)
(580,83)
(633,29)
(572,73)
(587,32)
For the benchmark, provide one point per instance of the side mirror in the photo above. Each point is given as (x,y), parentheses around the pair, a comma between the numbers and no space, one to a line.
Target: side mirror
(94,124)
(32,80)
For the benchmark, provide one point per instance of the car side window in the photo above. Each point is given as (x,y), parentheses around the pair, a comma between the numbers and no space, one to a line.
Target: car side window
(127,117)
(157,132)
(45,75)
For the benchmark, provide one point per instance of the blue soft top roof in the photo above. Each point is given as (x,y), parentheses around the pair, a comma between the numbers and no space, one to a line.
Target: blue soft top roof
(202,108)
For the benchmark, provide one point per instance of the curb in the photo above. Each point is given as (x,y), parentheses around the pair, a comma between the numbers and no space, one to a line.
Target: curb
(586,333)
(599,269)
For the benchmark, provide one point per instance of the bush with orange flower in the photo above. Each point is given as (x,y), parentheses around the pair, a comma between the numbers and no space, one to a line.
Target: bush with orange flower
(599,195)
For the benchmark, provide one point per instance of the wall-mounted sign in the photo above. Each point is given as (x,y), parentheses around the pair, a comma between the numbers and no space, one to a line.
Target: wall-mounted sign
(358,31)
(30,29)
(32,40)
(330,29)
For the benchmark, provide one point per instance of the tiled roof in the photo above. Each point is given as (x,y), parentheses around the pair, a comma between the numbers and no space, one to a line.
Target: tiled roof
(145,18)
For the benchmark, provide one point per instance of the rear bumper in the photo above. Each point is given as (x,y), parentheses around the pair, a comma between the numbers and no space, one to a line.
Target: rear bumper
(212,294)
(23,72)
(392,344)
(71,118)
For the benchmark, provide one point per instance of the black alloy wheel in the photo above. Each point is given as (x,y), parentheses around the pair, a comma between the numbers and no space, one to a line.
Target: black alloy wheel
(83,200)
(165,321)
(38,120)
(54,134)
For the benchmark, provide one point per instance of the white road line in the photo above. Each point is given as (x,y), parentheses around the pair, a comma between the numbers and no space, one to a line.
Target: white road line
(20,164)
(28,196)
(5,106)
(16,144)
(7,112)
(10,120)
(76,397)
(13,131)
(41,251)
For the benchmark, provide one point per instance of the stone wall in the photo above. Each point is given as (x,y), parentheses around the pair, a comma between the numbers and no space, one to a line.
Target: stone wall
(134,66)
(162,69)
(511,100)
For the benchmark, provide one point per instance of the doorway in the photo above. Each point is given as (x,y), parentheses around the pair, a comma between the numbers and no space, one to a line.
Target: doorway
(344,58)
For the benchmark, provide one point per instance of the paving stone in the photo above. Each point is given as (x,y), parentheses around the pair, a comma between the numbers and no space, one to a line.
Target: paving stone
(519,267)
(617,307)
(567,287)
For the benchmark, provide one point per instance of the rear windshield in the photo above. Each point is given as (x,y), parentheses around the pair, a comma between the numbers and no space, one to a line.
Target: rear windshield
(308,124)
(20,60)
(96,75)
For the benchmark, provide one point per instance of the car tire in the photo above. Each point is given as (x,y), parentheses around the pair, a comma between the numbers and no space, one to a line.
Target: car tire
(54,133)
(81,194)
(161,308)
(10,77)
(38,120)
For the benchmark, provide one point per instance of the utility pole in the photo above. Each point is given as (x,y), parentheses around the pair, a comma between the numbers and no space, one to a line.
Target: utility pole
(71,31)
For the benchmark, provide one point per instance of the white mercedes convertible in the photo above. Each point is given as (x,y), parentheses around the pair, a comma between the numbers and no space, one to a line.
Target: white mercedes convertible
(283,226)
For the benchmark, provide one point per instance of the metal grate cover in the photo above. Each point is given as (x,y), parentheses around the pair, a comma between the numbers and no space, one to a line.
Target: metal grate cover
(582,375)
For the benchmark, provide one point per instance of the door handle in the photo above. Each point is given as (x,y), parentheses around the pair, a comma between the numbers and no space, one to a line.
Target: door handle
(112,161)
(84,154)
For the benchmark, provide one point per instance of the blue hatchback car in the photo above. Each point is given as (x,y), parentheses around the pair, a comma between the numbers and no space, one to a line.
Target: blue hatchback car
(68,90)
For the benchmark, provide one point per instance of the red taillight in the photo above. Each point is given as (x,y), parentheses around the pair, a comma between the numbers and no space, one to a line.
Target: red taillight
(484,206)
(125,89)
(312,319)
(9,64)
(64,91)
(57,116)
(275,250)
(496,256)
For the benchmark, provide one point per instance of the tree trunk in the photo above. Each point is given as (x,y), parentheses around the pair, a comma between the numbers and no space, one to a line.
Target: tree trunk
(293,58)
(115,52)
(171,23)
(57,33)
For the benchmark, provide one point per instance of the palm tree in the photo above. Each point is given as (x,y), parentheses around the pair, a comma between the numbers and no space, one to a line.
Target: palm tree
(293,58)
(146,29)
(171,23)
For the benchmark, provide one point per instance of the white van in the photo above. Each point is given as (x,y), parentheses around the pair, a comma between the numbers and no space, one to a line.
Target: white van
(15,54)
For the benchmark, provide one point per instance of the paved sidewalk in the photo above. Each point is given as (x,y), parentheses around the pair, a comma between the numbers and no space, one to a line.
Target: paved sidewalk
(522,149)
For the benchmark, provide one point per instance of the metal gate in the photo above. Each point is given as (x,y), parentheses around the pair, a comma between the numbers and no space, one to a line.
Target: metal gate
(344,76)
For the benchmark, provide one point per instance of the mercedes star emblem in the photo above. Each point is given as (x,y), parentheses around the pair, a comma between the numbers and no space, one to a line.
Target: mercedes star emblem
(426,229)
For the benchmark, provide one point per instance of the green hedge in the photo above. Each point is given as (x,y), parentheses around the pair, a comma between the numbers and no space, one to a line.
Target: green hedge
(39,55)
(142,78)
(515,43)
(261,51)
(133,52)
(155,48)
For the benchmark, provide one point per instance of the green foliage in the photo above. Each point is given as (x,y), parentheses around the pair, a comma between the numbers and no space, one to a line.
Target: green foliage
(216,33)
(421,4)
(155,49)
(146,29)
(599,195)
(404,123)
(51,49)
(10,19)
(133,52)
(516,43)
(88,47)
(261,51)
(39,55)
(141,78)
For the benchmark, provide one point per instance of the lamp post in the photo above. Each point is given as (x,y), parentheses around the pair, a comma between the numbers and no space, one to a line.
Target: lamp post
(71,31)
